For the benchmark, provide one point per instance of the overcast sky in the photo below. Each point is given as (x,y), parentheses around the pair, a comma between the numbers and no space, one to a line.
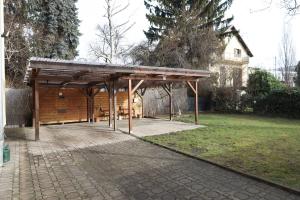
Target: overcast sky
(260,28)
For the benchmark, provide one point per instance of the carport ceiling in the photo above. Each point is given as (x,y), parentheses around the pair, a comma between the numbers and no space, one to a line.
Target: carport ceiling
(65,73)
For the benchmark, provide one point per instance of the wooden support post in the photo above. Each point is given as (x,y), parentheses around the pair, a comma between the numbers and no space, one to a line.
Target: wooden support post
(110,102)
(168,89)
(170,100)
(87,109)
(142,101)
(131,91)
(33,103)
(142,94)
(137,86)
(86,93)
(115,105)
(196,102)
(93,94)
(89,96)
(195,90)
(93,106)
(90,110)
(37,110)
(129,106)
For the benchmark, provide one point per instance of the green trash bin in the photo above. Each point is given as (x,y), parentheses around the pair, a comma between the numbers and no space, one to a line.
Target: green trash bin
(6,153)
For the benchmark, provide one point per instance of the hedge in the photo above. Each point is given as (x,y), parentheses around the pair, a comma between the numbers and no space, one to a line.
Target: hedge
(227,100)
(280,103)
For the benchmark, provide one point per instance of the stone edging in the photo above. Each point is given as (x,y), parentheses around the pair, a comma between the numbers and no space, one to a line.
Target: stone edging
(271,183)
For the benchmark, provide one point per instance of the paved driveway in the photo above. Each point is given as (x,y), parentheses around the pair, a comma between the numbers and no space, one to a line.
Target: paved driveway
(148,127)
(90,162)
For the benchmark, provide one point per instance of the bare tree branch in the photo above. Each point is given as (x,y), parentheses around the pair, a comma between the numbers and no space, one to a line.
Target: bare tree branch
(292,6)
(268,6)
(287,58)
(110,47)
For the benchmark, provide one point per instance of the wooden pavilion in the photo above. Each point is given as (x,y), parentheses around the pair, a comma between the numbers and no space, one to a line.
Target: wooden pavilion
(82,81)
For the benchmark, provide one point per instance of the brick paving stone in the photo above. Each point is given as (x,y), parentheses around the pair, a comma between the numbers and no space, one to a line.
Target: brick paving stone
(82,161)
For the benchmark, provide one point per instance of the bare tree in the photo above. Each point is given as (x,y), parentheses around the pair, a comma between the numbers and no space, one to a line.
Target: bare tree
(143,54)
(16,56)
(16,42)
(110,46)
(292,6)
(287,57)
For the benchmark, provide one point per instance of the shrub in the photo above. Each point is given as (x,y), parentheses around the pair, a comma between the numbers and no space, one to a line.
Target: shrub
(227,100)
(284,102)
(262,83)
(246,104)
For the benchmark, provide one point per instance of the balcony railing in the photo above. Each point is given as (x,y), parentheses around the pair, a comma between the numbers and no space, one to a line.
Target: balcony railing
(232,58)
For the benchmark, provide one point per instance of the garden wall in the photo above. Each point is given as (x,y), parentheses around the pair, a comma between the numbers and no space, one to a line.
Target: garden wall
(156,102)
(18,107)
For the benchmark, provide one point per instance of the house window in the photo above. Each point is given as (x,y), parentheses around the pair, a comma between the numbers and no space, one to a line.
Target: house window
(237,53)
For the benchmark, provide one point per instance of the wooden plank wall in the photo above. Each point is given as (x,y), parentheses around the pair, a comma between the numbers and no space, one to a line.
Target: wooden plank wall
(54,109)
(73,107)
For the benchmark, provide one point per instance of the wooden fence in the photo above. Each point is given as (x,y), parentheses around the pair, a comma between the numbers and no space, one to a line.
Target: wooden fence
(18,107)
(156,102)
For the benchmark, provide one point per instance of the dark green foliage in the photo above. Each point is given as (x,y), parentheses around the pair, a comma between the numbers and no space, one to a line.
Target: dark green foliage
(38,28)
(55,28)
(187,31)
(284,102)
(267,95)
(261,86)
(297,78)
(261,83)
(246,103)
(165,14)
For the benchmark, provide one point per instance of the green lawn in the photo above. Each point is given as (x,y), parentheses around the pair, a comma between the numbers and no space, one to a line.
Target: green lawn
(265,147)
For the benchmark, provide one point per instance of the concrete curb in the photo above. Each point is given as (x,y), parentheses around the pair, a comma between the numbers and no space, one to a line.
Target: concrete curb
(294,191)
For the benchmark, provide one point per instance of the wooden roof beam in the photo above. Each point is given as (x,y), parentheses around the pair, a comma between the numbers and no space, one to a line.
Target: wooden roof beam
(137,86)
(35,73)
(163,77)
(160,78)
(94,83)
(64,83)
(70,79)
(70,85)
(79,74)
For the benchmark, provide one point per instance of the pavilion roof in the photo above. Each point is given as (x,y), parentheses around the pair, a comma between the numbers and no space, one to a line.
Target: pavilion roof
(67,73)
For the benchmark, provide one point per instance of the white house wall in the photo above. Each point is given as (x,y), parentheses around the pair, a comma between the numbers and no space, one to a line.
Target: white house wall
(229,61)
(234,44)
